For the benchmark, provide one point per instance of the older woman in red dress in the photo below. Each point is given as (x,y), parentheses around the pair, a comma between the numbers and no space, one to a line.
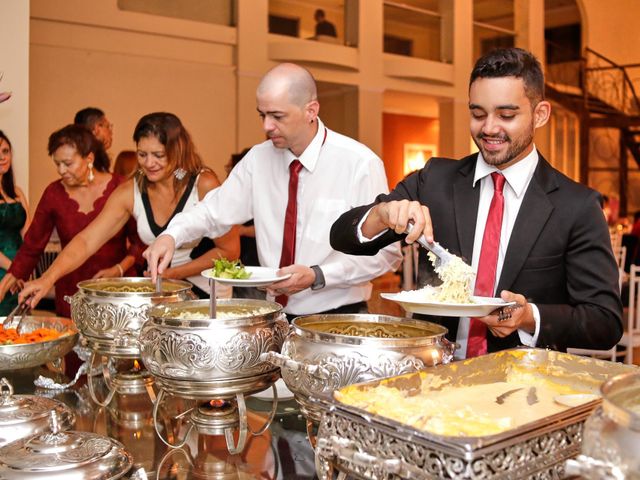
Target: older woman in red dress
(69,205)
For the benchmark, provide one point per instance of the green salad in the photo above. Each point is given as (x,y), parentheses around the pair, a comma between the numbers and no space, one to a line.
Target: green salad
(223,268)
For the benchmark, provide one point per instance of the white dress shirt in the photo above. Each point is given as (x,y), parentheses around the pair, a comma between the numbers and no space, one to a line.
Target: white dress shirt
(338,174)
(517,176)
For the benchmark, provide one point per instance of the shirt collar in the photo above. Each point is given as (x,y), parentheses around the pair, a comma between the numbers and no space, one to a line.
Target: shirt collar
(309,157)
(517,175)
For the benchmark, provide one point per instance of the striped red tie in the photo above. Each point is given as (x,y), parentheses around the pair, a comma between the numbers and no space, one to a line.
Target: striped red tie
(486,276)
(288,255)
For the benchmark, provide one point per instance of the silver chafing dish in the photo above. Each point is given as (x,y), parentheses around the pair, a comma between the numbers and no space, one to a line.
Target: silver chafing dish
(109,312)
(216,360)
(26,415)
(60,455)
(27,355)
(611,445)
(325,352)
(354,441)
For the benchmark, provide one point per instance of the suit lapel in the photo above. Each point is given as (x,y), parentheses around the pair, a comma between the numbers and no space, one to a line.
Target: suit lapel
(465,204)
(532,217)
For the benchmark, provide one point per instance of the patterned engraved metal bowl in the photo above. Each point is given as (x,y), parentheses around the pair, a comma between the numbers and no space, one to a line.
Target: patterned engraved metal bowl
(25,415)
(611,439)
(109,312)
(193,356)
(325,352)
(64,455)
(28,355)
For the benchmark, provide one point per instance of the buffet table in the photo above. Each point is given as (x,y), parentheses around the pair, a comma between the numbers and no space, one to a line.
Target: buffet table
(283,451)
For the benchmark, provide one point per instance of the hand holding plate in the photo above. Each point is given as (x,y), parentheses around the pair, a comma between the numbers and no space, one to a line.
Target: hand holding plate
(504,321)
(300,277)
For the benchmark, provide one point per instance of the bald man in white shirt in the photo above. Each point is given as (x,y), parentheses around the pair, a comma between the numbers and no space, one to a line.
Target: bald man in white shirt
(337,174)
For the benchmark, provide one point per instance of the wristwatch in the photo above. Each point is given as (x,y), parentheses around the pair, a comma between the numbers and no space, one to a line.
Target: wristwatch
(318,283)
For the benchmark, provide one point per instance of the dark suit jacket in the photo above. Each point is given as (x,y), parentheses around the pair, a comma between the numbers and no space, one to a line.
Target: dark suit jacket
(559,255)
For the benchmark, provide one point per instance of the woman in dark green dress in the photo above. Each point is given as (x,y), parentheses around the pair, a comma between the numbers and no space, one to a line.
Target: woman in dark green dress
(13,218)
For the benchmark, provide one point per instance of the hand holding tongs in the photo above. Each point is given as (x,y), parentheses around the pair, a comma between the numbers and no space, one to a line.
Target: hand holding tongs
(21,310)
(442,256)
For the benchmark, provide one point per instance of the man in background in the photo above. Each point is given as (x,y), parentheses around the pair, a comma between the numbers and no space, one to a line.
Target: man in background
(96,121)
(323,26)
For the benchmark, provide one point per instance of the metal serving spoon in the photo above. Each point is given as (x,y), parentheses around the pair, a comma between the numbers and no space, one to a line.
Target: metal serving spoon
(442,256)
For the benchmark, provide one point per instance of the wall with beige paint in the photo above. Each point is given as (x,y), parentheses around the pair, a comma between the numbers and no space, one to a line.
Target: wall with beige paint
(128,73)
(14,64)
(611,28)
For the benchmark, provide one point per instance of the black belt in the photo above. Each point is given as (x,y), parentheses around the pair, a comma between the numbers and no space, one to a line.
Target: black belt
(359,307)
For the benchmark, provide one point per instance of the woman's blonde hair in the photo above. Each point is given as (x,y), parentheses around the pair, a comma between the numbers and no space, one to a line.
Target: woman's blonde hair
(180,150)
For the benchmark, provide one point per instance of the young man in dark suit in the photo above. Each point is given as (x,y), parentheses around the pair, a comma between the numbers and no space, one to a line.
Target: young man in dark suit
(553,253)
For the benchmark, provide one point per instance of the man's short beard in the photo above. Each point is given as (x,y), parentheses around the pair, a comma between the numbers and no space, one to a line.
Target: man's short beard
(513,151)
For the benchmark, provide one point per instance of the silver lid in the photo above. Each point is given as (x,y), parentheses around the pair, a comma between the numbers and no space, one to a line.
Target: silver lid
(26,415)
(64,455)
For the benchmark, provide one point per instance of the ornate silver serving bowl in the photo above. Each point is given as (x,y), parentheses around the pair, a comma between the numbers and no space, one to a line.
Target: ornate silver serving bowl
(64,455)
(25,415)
(325,352)
(28,355)
(612,433)
(109,312)
(193,356)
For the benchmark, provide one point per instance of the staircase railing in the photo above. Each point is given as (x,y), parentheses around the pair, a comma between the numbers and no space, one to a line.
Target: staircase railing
(609,82)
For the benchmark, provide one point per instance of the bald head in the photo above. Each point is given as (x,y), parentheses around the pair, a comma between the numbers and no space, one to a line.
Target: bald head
(290,79)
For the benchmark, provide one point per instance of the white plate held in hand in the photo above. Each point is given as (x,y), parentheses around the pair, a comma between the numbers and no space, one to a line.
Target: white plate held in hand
(482,306)
(260,277)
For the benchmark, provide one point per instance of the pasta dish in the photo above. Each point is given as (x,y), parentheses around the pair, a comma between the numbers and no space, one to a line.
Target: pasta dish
(456,278)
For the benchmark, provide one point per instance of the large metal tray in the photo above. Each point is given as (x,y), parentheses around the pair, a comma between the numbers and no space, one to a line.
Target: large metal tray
(363,445)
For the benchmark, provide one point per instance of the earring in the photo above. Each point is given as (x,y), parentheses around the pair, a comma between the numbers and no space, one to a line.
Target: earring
(91,176)
(179,173)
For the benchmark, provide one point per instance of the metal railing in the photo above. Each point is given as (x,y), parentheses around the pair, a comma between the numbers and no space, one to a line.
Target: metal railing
(610,83)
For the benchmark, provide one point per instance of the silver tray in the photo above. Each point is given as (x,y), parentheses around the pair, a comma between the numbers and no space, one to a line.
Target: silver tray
(364,445)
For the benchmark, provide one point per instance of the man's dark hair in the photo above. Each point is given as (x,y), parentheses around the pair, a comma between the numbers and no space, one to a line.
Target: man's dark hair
(319,14)
(512,62)
(88,117)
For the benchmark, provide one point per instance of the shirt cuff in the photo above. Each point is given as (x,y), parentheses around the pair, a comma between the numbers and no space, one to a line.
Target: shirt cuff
(175,234)
(525,337)
(334,273)
(361,236)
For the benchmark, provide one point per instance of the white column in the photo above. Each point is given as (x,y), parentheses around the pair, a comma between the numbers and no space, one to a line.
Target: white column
(370,91)
(529,26)
(14,63)
(454,112)
(252,64)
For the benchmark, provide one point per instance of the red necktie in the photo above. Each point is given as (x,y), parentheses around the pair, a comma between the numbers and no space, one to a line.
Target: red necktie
(486,276)
(288,255)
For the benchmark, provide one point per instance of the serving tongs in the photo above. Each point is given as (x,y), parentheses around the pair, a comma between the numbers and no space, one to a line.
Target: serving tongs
(21,310)
(443,257)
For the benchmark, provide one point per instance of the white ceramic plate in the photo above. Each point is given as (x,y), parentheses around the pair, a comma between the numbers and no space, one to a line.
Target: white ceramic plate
(260,277)
(482,306)
(283,392)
